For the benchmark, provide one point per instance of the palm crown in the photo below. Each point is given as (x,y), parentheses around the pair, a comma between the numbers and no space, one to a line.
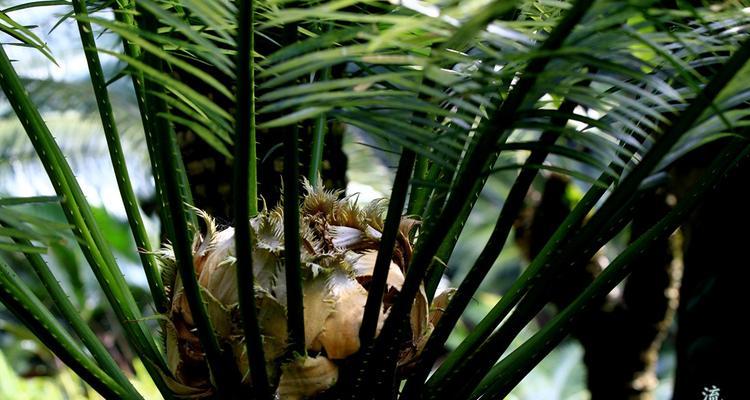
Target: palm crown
(610,92)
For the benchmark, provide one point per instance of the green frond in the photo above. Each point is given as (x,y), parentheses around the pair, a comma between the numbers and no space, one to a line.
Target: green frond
(610,93)
(18,298)
(23,34)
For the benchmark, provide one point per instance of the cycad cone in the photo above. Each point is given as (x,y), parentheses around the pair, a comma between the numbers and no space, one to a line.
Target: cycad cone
(339,246)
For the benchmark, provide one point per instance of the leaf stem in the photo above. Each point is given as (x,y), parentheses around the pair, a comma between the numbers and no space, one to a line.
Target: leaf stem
(148,260)
(493,247)
(22,302)
(245,197)
(223,369)
(476,161)
(614,212)
(124,14)
(295,306)
(318,140)
(79,215)
(386,247)
(73,317)
(508,372)
(418,193)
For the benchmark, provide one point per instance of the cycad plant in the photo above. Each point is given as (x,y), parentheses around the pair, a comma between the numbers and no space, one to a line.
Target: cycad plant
(319,297)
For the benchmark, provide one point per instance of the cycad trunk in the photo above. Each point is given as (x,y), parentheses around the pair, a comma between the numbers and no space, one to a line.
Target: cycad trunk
(210,173)
(637,321)
(711,345)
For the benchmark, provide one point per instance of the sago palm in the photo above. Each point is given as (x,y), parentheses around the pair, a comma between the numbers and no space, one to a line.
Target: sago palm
(319,297)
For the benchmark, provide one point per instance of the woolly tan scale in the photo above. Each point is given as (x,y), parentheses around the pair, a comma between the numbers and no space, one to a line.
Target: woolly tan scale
(338,251)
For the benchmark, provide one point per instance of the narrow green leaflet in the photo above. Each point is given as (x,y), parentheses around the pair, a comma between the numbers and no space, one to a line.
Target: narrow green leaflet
(19,299)
(78,213)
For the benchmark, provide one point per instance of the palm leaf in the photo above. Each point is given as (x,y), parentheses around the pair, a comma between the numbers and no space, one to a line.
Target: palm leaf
(607,92)
(79,215)
(507,373)
(29,309)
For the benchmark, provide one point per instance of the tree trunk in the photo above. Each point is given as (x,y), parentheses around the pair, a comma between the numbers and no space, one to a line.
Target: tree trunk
(711,344)
(621,336)
(210,173)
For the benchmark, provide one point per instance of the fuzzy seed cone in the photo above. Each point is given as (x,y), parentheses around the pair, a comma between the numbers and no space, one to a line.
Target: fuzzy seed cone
(339,246)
